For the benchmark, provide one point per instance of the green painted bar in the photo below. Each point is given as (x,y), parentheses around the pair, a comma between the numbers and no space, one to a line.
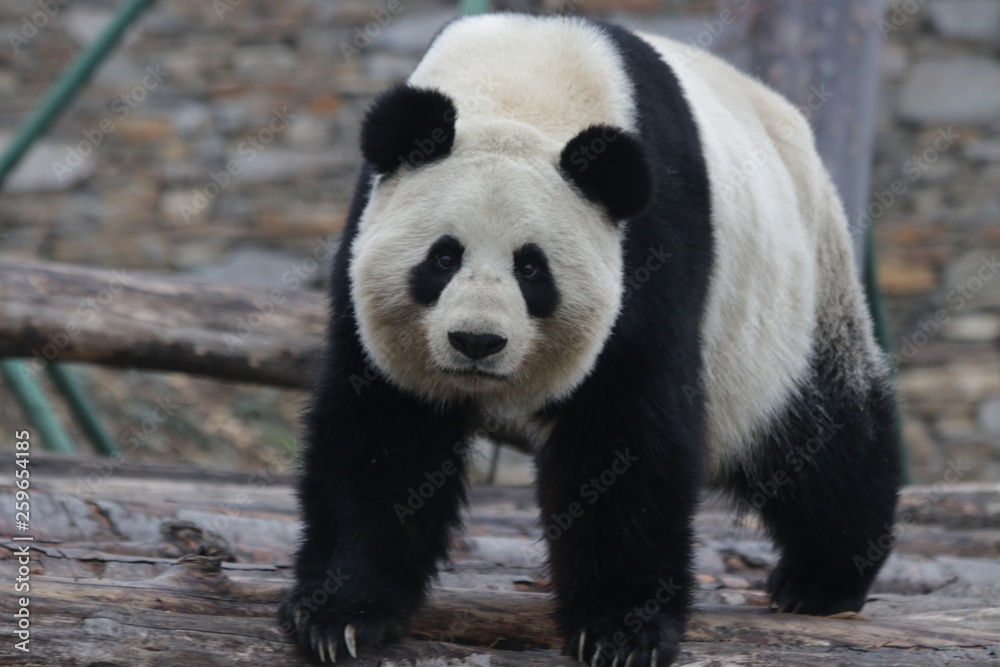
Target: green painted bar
(55,102)
(29,394)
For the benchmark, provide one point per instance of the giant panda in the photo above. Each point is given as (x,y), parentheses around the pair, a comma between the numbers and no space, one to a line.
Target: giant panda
(625,253)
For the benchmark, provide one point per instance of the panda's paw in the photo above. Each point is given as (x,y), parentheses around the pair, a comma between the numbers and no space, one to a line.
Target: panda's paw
(612,643)
(813,593)
(331,635)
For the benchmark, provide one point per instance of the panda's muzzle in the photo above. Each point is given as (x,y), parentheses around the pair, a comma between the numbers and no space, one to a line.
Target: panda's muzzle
(476,346)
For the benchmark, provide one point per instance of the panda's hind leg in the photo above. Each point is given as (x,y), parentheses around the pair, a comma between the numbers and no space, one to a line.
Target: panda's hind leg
(825,484)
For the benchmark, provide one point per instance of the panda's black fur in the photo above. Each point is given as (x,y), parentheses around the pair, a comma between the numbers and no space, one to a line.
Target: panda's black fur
(361,572)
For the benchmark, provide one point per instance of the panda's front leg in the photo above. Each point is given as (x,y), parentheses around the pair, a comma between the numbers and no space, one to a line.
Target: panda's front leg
(617,493)
(381,487)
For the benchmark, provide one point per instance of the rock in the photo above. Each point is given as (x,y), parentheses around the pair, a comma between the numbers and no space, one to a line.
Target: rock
(984,150)
(919,444)
(973,327)
(959,90)
(975,20)
(265,59)
(408,32)
(249,266)
(179,210)
(897,276)
(141,129)
(893,61)
(308,131)
(83,24)
(191,119)
(278,164)
(988,416)
(49,166)
(972,279)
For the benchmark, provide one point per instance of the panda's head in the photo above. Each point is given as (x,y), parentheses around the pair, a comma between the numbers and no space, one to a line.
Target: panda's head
(488,258)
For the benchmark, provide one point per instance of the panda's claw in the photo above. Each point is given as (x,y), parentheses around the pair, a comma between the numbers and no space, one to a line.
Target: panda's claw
(593,658)
(631,659)
(580,649)
(614,662)
(351,639)
(315,642)
(652,659)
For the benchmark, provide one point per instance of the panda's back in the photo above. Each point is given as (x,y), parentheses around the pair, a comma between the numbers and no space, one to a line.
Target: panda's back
(779,234)
(492,66)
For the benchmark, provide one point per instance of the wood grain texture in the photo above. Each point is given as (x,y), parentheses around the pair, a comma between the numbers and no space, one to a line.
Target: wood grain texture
(52,311)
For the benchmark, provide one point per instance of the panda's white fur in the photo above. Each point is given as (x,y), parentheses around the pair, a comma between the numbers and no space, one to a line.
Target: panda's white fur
(774,209)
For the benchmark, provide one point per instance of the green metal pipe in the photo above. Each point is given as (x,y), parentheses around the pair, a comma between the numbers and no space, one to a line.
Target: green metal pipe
(29,394)
(473,6)
(876,306)
(62,92)
(83,411)
(20,380)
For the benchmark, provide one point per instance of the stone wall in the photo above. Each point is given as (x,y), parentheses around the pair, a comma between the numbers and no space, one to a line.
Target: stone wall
(220,141)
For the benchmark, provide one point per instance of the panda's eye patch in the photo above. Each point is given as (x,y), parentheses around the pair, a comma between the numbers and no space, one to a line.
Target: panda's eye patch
(531,267)
(429,278)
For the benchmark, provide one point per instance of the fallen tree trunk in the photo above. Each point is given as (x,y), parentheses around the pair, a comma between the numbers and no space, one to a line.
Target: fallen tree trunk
(51,312)
(107,588)
(196,607)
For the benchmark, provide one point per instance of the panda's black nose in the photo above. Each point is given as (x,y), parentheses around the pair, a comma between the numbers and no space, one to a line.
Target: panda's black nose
(476,346)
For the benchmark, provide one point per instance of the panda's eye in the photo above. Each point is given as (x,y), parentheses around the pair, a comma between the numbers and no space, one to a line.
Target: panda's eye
(528,270)
(445,261)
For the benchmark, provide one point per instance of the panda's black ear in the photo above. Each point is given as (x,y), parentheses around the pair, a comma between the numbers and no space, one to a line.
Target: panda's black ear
(407,126)
(610,168)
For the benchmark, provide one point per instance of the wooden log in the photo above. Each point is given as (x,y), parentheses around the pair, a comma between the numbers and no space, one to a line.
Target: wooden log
(231,618)
(123,318)
(103,590)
